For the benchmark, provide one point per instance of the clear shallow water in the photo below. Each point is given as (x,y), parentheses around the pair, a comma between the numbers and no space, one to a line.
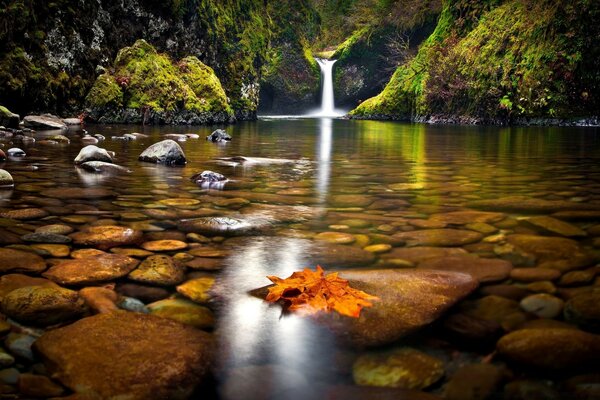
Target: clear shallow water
(435,169)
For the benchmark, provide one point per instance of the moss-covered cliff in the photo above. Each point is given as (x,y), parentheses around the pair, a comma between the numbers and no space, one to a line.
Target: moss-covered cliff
(50,51)
(499,61)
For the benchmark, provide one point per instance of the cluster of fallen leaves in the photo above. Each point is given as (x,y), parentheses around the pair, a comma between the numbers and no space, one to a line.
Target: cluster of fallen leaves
(309,292)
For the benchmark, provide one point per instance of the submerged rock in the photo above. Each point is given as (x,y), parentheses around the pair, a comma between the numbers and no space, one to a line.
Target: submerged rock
(551,348)
(583,310)
(183,311)
(127,355)
(91,270)
(159,270)
(404,368)
(166,152)
(101,167)
(399,311)
(106,236)
(439,237)
(42,305)
(208,179)
(15,152)
(20,261)
(218,135)
(45,121)
(223,226)
(6,179)
(92,153)
(482,269)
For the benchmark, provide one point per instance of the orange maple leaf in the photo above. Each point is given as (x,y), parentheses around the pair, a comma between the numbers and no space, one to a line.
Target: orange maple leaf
(310,292)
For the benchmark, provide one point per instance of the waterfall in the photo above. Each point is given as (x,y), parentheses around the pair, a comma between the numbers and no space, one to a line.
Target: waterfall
(327,101)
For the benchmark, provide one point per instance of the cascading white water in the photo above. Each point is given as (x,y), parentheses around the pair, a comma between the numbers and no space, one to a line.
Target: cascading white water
(327,100)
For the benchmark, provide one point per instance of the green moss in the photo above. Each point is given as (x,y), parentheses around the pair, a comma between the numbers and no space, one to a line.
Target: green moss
(105,93)
(144,78)
(495,60)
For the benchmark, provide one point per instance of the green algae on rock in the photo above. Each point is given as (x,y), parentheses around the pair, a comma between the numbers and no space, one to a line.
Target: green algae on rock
(147,86)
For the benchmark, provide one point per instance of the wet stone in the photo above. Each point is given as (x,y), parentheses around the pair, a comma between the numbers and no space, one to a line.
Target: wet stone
(25,213)
(555,226)
(107,236)
(92,270)
(534,274)
(537,348)
(336,237)
(543,305)
(166,152)
(86,253)
(378,248)
(583,310)
(19,345)
(183,311)
(6,179)
(401,368)
(57,229)
(78,193)
(205,264)
(42,305)
(418,254)
(542,287)
(528,389)
(92,153)
(439,237)
(38,386)
(164,245)
(180,202)
(20,261)
(350,200)
(491,308)
(158,270)
(46,238)
(11,282)
(197,289)
(222,226)
(99,299)
(55,250)
(468,217)
(473,382)
(577,278)
(398,312)
(131,252)
(482,269)
(127,355)
(146,294)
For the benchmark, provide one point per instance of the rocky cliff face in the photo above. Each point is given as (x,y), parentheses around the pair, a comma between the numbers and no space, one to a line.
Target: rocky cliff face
(499,61)
(52,52)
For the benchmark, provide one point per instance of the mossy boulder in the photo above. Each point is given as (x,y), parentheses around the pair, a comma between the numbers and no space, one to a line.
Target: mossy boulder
(8,119)
(148,87)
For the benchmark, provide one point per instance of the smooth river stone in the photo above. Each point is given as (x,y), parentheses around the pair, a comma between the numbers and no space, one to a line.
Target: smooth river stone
(209,252)
(106,236)
(336,237)
(467,217)
(164,245)
(46,238)
(534,274)
(92,270)
(552,250)
(160,270)
(180,202)
(583,310)
(482,269)
(555,226)
(11,282)
(350,200)
(42,305)
(91,193)
(404,368)
(127,355)
(205,264)
(25,213)
(197,289)
(223,226)
(560,349)
(439,237)
(398,312)
(55,250)
(58,229)
(530,204)
(183,311)
(20,261)
(543,305)
(418,254)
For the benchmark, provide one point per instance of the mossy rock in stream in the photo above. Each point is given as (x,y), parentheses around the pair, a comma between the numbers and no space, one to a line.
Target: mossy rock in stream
(8,119)
(145,86)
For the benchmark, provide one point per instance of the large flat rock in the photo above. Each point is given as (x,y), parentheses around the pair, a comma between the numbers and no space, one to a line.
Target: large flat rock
(91,270)
(439,237)
(124,355)
(409,300)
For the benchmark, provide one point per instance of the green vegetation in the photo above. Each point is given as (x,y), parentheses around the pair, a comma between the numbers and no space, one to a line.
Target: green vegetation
(499,60)
(144,79)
